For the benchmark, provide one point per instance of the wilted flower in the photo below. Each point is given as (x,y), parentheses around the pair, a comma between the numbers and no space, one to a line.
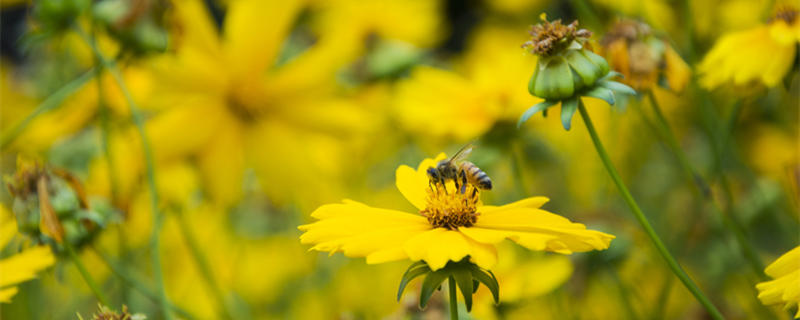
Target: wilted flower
(643,58)
(106,313)
(567,70)
(739,57)
(785,288)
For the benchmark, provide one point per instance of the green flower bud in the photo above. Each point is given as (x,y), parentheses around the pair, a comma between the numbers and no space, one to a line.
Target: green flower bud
(59,14)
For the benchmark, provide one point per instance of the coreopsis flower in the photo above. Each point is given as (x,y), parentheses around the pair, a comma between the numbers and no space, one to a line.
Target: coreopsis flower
(468,100)
(741,57)
(643,58)
(22,266)
(785,288)
(453,230)
(258,110)
(567,70)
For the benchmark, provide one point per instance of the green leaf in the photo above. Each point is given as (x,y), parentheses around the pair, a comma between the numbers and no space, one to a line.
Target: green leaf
(541,106)
(415,270)
(568,108)
(618,87)
(431,283)
(601,93)
(463,278)
(488,280)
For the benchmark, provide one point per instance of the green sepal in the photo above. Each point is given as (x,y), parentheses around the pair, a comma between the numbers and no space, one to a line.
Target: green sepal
(554,80)
(532,81)
(541,106)
(617,87)
(568,108)
(584,68)
(597,60)
(463,277)
(432,281)
(612,74)
(601,93)
(415,270)
(488,279)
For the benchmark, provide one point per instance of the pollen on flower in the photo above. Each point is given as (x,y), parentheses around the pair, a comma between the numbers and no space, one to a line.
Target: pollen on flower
(449,208)
(548,38)
(786,13)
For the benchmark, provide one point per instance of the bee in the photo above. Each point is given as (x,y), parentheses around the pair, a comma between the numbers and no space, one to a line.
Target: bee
(459,170)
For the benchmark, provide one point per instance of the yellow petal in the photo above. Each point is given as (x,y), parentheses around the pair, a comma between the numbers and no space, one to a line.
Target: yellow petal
(787,263)
(24,265)
(223,163)
(197,27)
(412,184)
(538,230)
(8,226)
(362,231)
(532,203)
(676,70)
(7,293)
(438,246)
(255,31)
(180,132)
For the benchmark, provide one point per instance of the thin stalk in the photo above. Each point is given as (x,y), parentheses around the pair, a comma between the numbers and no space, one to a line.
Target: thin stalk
(85,274)
(202,264)
(637,212)
(624,293)
(50,103)
(453,299)
(134,281)
(149,168)
(703,192)
(663,298)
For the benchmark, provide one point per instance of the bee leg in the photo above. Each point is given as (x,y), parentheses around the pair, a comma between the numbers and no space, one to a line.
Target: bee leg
(463,175)
(444,186)
(474,191)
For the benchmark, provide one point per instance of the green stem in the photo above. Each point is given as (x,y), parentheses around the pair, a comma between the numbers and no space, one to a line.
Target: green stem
(703,192)
(134,281)
(85,274)
(149,168)
(624,293)
(451,284)
(48,104)
(202,265)
(637,212)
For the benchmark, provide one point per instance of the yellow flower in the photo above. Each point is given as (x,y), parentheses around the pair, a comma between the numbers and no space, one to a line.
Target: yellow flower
(642,57)
(786,286)
(22,266)
(450,226)
(739,57)
(278,117)
(465,102)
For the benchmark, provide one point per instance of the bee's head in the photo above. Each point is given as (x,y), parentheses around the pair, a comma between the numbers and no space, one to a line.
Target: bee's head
(433,174)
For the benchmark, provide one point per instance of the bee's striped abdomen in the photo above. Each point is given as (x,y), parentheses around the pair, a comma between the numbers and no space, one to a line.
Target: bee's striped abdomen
(476,176)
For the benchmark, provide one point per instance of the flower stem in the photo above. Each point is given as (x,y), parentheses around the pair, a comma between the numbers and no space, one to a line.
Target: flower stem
(54,100)
(85,273)
(133,281)
(703,192)
(637,212)
(451,284)
(202,265)
(149,168)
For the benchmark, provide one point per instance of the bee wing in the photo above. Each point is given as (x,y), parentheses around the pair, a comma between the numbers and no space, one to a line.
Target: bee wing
(462,154)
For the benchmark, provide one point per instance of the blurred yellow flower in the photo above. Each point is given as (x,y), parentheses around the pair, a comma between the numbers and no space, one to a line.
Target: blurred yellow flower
(464,103)
(658,13)
(449,227)
(643,58)
(230,104)
(786,286)
(22,266)
(738,57)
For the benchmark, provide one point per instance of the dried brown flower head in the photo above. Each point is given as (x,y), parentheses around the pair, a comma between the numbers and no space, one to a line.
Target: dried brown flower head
(548,38)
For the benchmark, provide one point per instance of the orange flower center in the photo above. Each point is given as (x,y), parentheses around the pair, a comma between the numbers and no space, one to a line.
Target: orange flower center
(447,208)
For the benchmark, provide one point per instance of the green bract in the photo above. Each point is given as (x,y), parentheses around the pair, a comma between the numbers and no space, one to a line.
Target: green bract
(466,274)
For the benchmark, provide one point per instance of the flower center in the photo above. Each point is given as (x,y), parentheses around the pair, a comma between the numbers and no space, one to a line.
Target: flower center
(785,13)
(550,38)
(447,208)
